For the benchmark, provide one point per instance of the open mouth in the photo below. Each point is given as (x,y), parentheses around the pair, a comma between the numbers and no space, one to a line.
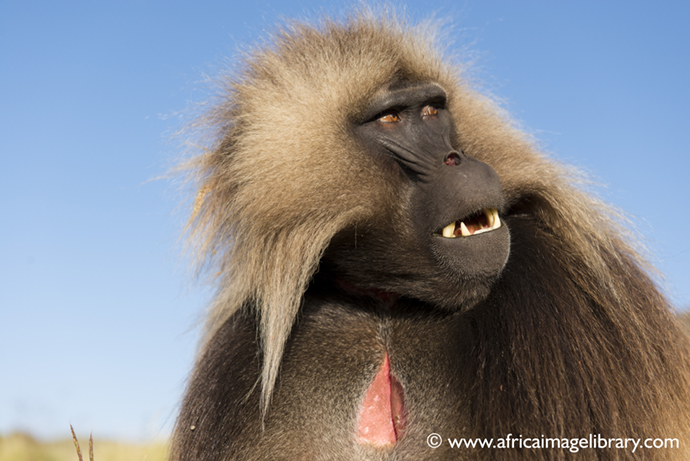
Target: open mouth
(482,221)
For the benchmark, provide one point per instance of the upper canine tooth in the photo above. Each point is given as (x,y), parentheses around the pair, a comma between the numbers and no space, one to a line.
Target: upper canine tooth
(449,230)
(497,221)
(463,230)
(489,213)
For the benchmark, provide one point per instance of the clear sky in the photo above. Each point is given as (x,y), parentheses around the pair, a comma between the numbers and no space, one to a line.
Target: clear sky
(97,309)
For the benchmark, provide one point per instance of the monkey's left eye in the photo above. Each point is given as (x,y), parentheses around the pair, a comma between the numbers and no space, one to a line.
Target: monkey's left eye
(391,117)
(429,111)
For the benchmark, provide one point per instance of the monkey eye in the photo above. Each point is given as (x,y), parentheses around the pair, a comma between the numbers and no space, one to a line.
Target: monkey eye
(391,117)
(429,111)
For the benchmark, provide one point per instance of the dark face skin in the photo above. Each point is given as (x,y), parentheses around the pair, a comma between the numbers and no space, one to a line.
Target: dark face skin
(446,235)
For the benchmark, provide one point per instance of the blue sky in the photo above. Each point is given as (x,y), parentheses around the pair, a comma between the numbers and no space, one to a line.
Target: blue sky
(97,309)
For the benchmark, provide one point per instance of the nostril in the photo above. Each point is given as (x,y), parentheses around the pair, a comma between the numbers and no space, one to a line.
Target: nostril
(452,159)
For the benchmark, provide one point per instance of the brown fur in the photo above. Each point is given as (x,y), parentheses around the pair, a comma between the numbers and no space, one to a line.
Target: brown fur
(282,177)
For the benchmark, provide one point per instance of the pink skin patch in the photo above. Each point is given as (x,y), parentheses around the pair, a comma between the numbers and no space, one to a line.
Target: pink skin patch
(381,416)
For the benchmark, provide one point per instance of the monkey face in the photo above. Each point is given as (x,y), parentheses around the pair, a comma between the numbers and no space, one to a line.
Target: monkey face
(444,241)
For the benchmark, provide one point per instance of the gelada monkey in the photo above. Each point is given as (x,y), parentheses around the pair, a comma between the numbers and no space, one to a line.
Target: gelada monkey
(394,260)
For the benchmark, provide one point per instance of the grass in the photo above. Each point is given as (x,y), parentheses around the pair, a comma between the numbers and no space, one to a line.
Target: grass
(22,447)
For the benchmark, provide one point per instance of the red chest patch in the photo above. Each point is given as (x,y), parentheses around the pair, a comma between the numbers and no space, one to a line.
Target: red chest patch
(381,418)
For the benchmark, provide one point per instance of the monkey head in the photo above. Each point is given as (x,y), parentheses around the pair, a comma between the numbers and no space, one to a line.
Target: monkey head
(442,241)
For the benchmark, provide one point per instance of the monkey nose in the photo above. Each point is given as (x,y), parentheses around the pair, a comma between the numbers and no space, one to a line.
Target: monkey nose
(452,159)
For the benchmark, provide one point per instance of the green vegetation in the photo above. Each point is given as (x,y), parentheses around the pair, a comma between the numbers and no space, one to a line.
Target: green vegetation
(22,447)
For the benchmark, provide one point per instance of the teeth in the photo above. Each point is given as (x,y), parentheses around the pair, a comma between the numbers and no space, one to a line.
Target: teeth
(491,217)
(496,221)
(489,213)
